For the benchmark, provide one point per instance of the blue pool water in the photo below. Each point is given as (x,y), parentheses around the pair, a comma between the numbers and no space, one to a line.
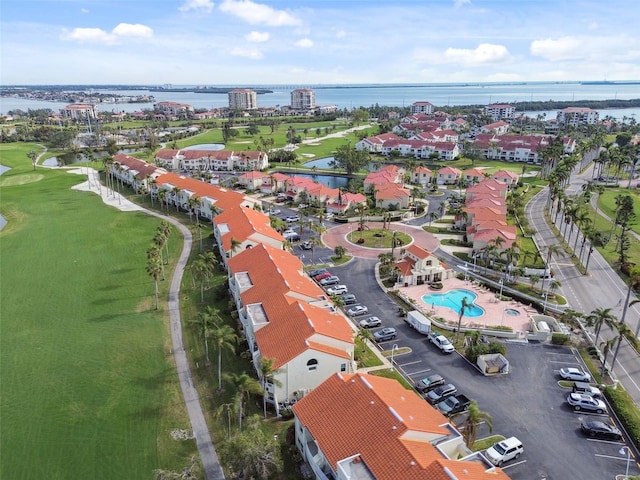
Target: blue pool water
(453,300)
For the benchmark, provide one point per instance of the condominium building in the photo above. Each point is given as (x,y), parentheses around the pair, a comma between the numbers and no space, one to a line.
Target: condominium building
(575,116)
(303,99)
(498,111)
(243,99)
(422,107)
(79,111)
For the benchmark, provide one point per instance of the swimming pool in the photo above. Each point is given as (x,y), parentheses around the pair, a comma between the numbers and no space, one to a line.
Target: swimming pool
(452,299)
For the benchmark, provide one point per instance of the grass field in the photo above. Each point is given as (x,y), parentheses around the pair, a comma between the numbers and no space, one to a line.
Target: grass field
(88,387)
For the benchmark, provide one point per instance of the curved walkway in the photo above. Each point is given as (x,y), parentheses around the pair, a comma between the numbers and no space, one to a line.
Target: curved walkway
(208,455)
(337,236)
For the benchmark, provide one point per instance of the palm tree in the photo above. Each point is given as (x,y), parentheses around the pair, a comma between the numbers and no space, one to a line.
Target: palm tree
(207,319)
(245,387)
(176,194)
(229,408)
(606,347)
(267,371)
(464,304)
(340,251)
(365,335)
(235,244)
(599,316)
(634,282)
(474,417)
(223,337)
(33,156)
(154,270)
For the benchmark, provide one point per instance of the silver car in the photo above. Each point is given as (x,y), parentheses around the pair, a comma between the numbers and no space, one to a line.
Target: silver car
(580,401)
(357,311)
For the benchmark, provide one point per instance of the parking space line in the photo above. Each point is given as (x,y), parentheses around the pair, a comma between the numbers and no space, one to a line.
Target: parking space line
(419,372)
(564,363)
(555,353)
(513,464)
(594,414)
(410,363)
(610,442)
(624,459)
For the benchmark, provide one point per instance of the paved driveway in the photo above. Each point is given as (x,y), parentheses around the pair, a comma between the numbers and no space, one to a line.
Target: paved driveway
(527,403)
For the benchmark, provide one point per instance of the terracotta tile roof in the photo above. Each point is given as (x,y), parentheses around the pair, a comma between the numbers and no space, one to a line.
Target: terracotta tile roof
(222,198)
(278,284)
(422,169)
(449,171)
(489,234)
(507,174)
(391,191)
(371,415)
(243,224)
(495,125)
(143,168)
(418,252)
(474,172)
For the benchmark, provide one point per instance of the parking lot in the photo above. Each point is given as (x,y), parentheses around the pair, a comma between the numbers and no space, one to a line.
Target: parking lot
(527,403)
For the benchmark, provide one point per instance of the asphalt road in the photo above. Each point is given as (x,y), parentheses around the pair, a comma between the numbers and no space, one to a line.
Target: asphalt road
(527,403)
(601,288)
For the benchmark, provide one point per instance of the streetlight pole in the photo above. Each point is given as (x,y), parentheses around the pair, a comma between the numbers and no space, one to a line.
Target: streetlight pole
(501,285)
(621,452)
(393,349)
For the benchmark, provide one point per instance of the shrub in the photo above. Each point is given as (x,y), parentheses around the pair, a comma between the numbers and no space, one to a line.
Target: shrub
(474,351)
(626,410)
(286,413)
(559,339)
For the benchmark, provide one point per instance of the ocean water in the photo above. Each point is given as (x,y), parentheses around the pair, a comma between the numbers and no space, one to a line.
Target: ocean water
(354,96)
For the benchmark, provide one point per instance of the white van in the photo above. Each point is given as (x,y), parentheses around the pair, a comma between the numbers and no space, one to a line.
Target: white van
(504,451)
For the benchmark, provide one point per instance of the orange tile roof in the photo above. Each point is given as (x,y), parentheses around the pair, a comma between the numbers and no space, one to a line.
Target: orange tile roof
(371,415)
(391,191)
(279,285)
(223,198)
(419,252)
(243,223)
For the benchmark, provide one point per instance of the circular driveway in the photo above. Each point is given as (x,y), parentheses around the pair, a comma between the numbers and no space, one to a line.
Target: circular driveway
(337,236)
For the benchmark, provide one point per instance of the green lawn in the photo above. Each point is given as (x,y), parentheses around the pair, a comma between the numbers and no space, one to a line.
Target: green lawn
(88,386)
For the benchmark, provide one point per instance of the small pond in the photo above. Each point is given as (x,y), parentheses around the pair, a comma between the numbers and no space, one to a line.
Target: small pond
(206,146)
(70,158)
(328,180)
(326,163)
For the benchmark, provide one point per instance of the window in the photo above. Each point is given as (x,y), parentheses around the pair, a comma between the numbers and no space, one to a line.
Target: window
(312,364)
(343,367)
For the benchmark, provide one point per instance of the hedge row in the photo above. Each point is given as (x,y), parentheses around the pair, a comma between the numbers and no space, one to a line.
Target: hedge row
(626,410)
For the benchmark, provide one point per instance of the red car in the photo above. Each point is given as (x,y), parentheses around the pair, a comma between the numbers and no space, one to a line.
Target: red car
(323,275)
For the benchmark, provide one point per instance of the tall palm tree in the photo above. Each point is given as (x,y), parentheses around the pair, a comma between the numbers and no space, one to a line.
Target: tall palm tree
(473,418)
(230,409)
(267,372)
(364,334)
(245,387)
(633,283)
(235,244)
(464,304)
(551,250)
(598,317)
(223,338)
(207,318)
(154,270)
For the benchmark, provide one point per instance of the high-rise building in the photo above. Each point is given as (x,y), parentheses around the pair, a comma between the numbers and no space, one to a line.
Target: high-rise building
(243,99)
(303,99)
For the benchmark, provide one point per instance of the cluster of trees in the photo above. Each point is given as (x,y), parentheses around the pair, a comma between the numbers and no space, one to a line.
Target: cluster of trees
(156,260)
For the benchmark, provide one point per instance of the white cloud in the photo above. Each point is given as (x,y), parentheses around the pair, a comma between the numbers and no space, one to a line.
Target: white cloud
(84,10)
(97,35)
(257,37)
(132,30)
(460,3)
(483,54)
(252,53)
(304,43)
(89,35)
(204,5)
(259,14)
(341,34)
(565,48)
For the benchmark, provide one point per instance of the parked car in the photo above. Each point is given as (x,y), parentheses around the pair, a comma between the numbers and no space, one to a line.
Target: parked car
(316,271)
(384,334)
(331,280)
(274,211)
(357,311)
(580,401)
(585,388)
(292,218)
(371,322)
(291,237)
(575,374)
(329,216)
(306,245)
(303,205)
(601,430)
(337,290)
(440,393)
(348,298)
(429,383)
(322,275)
(504,451)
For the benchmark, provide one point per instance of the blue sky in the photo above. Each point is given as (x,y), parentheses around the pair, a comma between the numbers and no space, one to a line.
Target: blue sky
(306,42)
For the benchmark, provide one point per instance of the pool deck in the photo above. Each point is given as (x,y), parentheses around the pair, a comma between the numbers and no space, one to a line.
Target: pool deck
(494,309)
